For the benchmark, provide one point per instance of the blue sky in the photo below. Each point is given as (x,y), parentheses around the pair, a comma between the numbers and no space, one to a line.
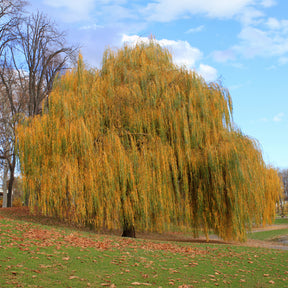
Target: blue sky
(242,43)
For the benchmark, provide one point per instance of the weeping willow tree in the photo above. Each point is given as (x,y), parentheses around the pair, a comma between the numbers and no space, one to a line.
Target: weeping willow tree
(144,144)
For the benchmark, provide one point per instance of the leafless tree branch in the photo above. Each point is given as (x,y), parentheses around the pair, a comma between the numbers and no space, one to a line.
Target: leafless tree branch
(32,53)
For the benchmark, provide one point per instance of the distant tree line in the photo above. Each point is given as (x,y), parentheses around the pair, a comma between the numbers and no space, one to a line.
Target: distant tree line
(32,52)
(283,202)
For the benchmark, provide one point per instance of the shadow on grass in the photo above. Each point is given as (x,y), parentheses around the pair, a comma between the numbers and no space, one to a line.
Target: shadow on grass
(23,214)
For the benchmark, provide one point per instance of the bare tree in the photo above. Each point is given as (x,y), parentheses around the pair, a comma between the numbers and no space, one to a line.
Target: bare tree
(28,67)
(45,54)
(285,182)
(283,201)
(10,19)
(10,11)
(13,97)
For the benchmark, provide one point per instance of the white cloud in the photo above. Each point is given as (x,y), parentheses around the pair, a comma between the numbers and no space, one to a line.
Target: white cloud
(207,72)
(107,12)
(257,41)
(195,30)
(74,5)
(73,10)
(254,42)
(283,60)
(115,13)
(91,27)
(224,56)
(167,10)
(275,24)
(250,16)
(279,117)
(183,53)
(268,3)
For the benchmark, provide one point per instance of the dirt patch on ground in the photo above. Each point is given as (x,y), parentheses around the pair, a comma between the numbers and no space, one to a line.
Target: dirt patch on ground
(270,227)
(16,211)
(264,244)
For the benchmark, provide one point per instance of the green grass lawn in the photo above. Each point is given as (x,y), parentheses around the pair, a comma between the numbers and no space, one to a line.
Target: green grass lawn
(271,235)
(281,221)
(268,235)
(37,255)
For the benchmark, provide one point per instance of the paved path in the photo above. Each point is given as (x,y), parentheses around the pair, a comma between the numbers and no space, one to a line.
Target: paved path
(215,239)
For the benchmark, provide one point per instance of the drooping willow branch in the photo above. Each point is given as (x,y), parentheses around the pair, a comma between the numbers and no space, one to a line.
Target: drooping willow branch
(145,144)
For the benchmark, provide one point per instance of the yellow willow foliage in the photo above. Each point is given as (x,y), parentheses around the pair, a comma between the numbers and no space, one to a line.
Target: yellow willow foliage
(144,142)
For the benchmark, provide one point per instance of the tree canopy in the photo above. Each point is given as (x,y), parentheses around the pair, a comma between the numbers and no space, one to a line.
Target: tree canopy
(143,143)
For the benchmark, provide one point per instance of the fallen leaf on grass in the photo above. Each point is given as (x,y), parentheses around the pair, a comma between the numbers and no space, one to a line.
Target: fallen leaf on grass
(36,271)
(73,277)
(45,266)
(138,284)
(271,282)
(172,270)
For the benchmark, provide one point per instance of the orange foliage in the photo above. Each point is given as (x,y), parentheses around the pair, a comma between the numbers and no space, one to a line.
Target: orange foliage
(146,142)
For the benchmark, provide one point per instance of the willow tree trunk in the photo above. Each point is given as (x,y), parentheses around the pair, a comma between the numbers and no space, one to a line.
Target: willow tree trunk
(128,229)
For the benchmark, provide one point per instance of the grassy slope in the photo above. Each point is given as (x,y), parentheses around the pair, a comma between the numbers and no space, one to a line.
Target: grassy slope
(281,221)
(269,235)
(38,255)
(272,235)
